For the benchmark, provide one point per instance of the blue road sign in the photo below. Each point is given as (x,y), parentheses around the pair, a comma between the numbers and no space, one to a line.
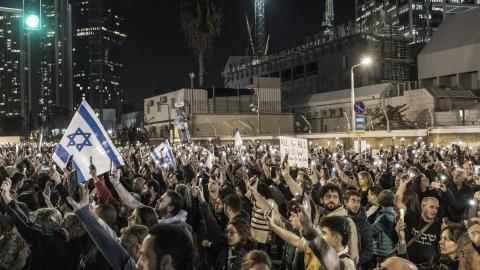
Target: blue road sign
(359,107)
(360,124)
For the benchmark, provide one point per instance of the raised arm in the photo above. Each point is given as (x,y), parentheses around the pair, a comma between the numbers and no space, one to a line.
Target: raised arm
(285,234)
(327,256)
(259,199)
(295,188)
(104,194)
(345,179)
(29,230)
(214,233)
(124,195)
(113,252)
(398,200)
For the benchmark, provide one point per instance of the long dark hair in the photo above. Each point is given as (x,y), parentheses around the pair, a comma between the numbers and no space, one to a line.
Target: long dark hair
(243,230)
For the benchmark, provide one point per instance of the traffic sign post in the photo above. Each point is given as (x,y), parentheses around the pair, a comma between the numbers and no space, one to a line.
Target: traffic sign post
(359,107)
(360,124)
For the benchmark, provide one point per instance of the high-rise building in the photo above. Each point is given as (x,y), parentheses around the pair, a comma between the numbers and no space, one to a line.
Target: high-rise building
(98,62)
(417,19)
(328,19)
(10,64)
(55,75)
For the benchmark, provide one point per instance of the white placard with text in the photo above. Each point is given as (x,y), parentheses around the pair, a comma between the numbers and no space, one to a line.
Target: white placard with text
(297,150)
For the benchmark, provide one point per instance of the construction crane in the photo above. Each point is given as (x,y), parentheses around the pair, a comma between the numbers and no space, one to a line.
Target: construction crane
(260,27)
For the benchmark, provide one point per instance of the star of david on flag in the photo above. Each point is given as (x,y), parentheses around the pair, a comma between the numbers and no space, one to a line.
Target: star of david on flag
(87,141)
(164,152)
(79,146)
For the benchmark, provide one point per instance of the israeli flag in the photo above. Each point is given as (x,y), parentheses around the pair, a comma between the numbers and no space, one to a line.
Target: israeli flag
(238,140)
(164,151)
(210,160)
(87,141)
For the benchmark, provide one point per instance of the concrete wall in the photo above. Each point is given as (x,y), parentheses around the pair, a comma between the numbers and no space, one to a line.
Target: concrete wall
(419,101)
(463,136)
(218,125)
(455,118)
(449,62)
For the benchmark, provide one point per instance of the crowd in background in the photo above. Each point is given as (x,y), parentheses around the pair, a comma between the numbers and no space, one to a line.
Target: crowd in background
(224,207)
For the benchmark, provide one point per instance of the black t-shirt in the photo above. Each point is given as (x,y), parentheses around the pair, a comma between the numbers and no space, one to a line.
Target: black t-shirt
(425,248)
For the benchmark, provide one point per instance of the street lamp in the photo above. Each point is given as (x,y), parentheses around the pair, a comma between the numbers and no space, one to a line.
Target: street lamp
(255,109)
(192,76)
(364,62)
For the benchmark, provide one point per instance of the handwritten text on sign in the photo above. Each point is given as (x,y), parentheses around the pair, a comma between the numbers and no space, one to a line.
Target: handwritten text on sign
(297,150)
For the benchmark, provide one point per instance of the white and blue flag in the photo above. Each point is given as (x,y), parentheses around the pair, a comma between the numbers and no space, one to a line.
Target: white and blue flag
(87,141)
(164,153)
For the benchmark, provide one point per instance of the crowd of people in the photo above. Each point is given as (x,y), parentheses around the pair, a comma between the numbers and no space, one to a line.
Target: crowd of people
(224,207)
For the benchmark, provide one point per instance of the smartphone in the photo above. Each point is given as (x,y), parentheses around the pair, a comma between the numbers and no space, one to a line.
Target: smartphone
(69,163)
(273,172)
(112,167)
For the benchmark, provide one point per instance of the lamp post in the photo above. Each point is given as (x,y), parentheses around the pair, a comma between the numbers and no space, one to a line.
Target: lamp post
(365,62)
(192,76)
(255,109)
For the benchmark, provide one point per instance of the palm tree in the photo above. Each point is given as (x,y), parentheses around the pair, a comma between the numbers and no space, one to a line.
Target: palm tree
(201,23)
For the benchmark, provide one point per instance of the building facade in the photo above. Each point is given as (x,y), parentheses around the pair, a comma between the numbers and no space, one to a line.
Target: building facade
(98,61)
(456,45)
(11,92)
(323,65)
(219,112)
(55,63)
(417,19)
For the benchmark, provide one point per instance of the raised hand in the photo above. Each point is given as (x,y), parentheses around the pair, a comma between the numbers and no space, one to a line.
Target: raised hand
(83,202)
(305,216)
(5,190)
(199,192)
(400,229)
(115,177)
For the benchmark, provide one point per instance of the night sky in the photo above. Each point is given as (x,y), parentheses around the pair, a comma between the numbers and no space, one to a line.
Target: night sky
(158,60)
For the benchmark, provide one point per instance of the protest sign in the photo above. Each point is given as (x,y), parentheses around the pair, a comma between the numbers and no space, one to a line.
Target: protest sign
(297,150)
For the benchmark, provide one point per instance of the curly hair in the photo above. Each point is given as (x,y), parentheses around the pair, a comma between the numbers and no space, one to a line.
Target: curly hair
(73,226)
(338,225)
(14,250)
(50,219)
(330,187)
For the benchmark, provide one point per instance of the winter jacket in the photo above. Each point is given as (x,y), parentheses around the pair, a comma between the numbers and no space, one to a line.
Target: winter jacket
(224,257)
(457,201)
(48,249)
(230,258)
(366,236)
(383,229)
